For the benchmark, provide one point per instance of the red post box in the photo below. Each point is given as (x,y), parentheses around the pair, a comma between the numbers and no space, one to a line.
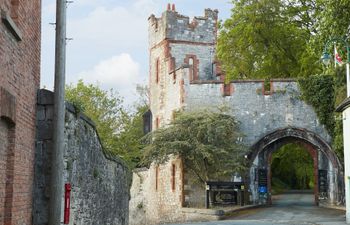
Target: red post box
(68,189)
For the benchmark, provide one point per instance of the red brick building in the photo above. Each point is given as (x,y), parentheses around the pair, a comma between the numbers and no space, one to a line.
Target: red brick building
(19,80)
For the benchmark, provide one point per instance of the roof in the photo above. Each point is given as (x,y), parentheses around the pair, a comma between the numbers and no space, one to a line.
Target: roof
(344,105)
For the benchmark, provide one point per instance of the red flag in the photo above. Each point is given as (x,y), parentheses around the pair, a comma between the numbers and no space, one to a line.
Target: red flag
(337,58)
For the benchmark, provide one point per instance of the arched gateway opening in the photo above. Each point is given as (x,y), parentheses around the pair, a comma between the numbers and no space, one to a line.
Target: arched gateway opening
(327,169)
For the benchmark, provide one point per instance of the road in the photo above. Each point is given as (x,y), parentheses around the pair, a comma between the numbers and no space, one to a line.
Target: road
(287,209)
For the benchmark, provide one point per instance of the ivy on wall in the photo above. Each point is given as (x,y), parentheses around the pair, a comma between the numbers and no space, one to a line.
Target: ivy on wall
(324,93)
(318,91)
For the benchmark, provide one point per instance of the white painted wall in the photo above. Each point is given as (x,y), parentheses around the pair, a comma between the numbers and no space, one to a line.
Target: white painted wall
(346,125)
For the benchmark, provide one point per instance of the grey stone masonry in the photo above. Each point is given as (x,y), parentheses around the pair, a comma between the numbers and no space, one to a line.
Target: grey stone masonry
(174,26)
(100,190)
(259,112)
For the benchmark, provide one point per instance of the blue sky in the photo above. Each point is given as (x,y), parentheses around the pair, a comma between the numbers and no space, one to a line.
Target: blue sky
(109,43)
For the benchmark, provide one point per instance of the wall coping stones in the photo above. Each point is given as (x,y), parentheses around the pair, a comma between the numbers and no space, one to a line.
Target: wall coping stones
(137,170)
(45,97)
(241,81)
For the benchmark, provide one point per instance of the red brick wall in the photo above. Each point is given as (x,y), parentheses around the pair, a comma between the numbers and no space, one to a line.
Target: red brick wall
(3,150)
(19,81)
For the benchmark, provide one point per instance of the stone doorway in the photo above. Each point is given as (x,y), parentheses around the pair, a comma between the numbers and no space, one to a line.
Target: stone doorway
(331,189)
(293,169)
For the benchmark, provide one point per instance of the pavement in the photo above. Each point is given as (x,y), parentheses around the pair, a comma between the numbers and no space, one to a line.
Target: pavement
(287,209)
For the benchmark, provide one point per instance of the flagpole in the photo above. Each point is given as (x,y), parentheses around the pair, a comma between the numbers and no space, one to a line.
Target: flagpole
(348,78)
(335,56)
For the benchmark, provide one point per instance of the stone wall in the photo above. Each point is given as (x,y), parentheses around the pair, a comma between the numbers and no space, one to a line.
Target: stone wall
(174,26)
(100,190)
(259,112)
(20,36)
(157,194)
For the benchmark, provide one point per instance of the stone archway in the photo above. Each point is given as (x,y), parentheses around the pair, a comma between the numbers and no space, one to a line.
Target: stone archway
(323,156)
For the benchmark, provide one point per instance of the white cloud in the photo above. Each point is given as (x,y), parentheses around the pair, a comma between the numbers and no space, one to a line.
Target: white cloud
(113,27)
(120,72)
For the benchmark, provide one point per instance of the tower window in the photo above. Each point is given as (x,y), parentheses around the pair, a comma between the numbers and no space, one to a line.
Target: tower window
(192,62)
(157,177)
(157,70)
(173,172)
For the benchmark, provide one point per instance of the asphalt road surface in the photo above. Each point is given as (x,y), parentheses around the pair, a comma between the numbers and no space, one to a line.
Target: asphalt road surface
(287,209)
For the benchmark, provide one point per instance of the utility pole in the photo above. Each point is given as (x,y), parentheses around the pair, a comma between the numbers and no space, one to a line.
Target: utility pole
(56,194)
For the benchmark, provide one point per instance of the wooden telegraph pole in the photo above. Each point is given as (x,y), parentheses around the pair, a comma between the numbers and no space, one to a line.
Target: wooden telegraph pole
(56,194)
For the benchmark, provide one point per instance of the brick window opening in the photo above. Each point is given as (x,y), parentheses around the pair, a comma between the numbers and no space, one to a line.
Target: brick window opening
(14,9)
(227,89)
(173,115)
(192,62)
(157,177)
(173,172)
(157,122)
(157,71)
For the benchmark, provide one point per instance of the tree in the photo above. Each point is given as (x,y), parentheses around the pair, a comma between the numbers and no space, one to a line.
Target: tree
(293,165)
(207,142)
(285,38)
(128,142)
(262,39)
(120,130)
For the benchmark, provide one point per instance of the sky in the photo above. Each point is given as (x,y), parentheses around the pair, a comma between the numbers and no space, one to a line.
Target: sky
(109,43)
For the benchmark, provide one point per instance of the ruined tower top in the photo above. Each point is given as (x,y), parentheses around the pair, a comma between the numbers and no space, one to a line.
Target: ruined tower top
(174,26)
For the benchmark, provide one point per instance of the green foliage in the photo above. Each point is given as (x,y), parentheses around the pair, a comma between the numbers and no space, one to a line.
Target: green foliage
(120,131)
(318,91)
(292,167)
(324,93)
(267,85)
(95,173)
(208,143)
(278,186)
(340,95)
(104,108)
(128,141)
(269,39)
(262,39)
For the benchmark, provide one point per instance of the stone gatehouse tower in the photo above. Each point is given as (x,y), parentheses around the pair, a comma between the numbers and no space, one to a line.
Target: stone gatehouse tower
(20,36)
(184,75)
(175,42)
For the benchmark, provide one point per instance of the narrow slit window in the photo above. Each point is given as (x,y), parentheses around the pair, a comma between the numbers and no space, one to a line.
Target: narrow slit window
(191,64)
(157,71)
(157,177)
(14,9)
(173,173)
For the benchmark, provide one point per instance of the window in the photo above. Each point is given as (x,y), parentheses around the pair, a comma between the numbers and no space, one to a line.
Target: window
(157,177)
(157,71)
(173,172)
(191,64)
(147,122)
(157,122)
(14,9)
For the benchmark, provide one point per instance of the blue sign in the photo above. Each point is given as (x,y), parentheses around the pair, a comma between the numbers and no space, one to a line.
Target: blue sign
(262,189)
